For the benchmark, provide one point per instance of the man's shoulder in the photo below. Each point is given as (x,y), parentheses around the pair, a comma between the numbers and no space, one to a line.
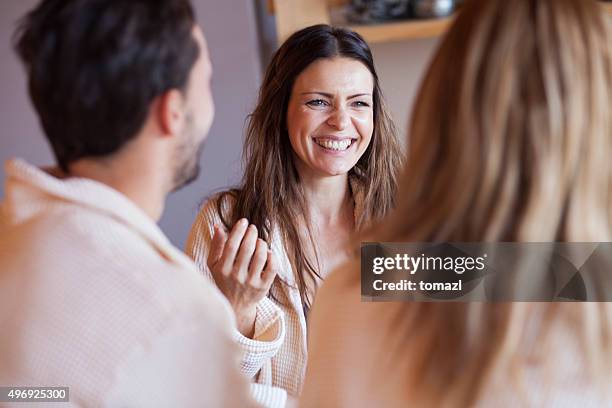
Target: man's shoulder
(69,234)
(86,250)
(89,269)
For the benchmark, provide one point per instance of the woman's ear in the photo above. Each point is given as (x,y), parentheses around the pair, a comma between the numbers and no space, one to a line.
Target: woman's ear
(170,112)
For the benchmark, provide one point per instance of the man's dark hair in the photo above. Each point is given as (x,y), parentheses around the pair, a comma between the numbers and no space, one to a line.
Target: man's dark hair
(95,66)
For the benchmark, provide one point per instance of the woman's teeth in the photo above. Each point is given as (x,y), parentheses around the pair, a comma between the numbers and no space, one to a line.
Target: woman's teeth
(334,144)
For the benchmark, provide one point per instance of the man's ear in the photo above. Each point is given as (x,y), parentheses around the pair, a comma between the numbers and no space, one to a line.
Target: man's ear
(170,112)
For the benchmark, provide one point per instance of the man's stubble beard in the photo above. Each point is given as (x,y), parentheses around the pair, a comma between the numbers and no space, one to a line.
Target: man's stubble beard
(187,156)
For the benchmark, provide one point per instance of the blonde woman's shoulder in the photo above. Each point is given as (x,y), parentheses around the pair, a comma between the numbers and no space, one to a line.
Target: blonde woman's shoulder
(345,279)
(345,335)
(338,312)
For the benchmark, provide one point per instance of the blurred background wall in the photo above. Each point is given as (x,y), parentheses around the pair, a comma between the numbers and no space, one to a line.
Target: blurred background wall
(241,37)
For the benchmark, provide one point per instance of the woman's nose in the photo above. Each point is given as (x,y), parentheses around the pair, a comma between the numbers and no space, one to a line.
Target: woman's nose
(339,119)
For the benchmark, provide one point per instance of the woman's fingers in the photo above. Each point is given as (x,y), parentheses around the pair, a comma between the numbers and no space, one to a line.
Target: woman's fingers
(216,246)
(245,253)
(258,261)
(232,245)
(243,269)
(269,272)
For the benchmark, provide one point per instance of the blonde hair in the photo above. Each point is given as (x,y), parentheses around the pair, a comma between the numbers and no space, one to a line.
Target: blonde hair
(510,141)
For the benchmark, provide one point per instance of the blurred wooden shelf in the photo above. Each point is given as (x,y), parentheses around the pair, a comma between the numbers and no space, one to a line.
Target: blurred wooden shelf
(403,30)
(292,15)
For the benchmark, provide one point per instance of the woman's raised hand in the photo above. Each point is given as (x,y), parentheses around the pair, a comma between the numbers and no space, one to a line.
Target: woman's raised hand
(243,268)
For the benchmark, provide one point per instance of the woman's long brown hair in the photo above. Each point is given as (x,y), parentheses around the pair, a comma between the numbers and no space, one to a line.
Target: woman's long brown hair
(270,195)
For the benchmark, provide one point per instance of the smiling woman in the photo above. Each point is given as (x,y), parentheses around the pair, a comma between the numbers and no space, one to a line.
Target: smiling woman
(321,160)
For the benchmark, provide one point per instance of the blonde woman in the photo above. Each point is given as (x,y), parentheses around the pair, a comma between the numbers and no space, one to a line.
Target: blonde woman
(510,141)
(321,160)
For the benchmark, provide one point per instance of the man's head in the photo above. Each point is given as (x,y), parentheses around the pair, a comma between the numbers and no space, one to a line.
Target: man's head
(102,70)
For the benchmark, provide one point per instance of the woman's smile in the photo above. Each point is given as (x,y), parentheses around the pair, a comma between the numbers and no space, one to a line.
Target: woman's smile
(334,144)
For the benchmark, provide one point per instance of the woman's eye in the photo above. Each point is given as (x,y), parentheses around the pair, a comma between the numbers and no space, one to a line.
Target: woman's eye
(361,104)
(317,103)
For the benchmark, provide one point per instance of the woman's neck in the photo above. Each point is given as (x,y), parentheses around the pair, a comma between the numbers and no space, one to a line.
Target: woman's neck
(328,199)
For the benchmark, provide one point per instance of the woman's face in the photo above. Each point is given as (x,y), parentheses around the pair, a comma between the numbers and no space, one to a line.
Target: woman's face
(330,118)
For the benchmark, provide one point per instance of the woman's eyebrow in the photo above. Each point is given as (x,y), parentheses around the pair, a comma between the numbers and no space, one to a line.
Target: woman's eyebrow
(328,95)
(359,95)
